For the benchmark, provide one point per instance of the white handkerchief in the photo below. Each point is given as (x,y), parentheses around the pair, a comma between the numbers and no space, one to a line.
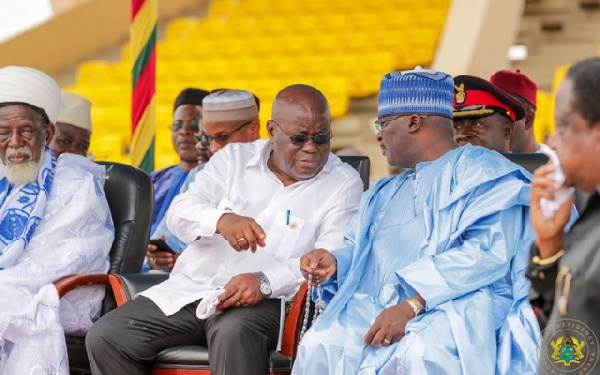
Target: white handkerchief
(208,305)
(549,207)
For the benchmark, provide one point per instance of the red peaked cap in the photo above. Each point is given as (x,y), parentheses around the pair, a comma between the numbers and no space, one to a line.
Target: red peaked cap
(516,83)
(476,97)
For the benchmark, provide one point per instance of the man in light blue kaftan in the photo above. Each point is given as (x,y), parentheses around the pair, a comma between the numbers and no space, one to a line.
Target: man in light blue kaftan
(430,280)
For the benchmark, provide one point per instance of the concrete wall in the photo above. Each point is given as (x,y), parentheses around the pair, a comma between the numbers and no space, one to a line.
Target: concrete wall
(477,36)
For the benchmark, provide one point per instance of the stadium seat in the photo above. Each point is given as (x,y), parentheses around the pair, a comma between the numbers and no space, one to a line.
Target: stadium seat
(278,43)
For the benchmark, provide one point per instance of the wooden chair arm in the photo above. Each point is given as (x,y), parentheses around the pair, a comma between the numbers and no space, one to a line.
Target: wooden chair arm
(68,283)
(293,323)
(118,289)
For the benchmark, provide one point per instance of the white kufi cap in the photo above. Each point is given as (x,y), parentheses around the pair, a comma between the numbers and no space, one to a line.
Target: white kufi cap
(75,110)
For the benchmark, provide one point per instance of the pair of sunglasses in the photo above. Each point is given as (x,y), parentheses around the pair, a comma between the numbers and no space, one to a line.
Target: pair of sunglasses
(221,138)
(300,139)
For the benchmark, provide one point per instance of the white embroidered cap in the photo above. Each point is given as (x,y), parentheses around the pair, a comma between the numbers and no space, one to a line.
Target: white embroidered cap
(229,105)
(75,110)
(30,86)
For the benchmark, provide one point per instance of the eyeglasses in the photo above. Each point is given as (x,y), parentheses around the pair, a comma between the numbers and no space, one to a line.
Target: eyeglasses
(384,122)
(194,126)
(221,138)
(299,139)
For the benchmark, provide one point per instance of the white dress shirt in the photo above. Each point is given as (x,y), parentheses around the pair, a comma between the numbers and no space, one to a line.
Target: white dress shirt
(237,179)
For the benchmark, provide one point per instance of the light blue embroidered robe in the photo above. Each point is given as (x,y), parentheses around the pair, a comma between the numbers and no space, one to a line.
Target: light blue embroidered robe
(455,230)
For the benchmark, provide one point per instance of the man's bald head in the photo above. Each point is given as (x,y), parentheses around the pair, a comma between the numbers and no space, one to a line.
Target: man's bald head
(305,98)
(300,133)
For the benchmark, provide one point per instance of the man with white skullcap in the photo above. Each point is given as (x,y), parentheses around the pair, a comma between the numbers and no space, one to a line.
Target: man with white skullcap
(229,116)
(54,222)
(430,280)
(73,127)
(276,198)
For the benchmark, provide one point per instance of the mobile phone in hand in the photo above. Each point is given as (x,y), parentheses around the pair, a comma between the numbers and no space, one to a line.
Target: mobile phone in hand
(161,245)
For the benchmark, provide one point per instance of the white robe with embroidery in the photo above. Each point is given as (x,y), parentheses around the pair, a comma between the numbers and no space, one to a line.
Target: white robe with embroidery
(73,237)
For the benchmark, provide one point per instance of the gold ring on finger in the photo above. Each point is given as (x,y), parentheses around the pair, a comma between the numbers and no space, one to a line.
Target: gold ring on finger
(386,341)
(241,239)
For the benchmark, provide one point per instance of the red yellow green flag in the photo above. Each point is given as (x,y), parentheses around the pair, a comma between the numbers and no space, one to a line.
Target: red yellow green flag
(144,16)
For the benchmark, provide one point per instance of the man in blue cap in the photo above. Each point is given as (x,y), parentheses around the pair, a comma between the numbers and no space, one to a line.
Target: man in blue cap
(431,277)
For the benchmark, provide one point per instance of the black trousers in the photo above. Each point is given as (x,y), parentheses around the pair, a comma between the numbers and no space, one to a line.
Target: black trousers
(126,340)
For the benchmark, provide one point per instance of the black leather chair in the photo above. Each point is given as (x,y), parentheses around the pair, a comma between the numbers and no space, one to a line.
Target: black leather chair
(130,196)
(362,164)
(188,360)
(530,162)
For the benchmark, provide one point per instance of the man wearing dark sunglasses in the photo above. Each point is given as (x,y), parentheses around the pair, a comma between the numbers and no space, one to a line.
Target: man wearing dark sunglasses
(229,116)
(277,198)
(187,120)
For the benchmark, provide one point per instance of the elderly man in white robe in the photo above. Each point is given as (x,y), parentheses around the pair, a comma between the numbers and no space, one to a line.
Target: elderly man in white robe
(54,222)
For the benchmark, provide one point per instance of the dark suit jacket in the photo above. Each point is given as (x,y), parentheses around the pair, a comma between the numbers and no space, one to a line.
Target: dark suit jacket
(582,258)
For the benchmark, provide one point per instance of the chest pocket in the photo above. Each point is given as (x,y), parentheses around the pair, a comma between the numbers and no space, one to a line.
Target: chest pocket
(285,235)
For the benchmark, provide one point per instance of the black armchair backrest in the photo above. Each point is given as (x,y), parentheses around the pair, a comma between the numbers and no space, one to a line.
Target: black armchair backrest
(530,162)
(130,196)
(362,164)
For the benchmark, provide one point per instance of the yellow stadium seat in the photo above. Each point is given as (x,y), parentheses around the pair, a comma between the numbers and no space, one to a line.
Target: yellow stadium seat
(223,8)
(92,72)
(341,47)
(165,160)
(543,124)
(180,28)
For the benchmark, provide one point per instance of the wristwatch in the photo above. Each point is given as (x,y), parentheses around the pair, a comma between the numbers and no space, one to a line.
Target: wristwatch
(265,286)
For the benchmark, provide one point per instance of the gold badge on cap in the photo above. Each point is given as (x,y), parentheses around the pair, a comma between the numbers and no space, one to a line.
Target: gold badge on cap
(460,95)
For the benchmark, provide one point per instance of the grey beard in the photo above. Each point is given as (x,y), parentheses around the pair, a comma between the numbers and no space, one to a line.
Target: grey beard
(22,173)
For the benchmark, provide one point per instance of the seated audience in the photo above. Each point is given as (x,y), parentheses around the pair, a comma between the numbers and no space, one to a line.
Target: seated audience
(73,127)
(483,114)
(54,222)
(522,89)
(568,263)
(223,113)
(431,277)
(187,120)
(249,216)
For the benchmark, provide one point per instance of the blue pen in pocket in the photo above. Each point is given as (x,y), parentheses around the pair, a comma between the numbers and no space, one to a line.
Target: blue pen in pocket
(287,217)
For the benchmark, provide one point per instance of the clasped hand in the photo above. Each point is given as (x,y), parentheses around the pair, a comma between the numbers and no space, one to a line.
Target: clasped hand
(319,263)
(241,232)
(241,291)
(549,232)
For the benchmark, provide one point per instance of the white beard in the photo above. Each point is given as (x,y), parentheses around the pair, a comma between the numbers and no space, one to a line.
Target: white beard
(21,173)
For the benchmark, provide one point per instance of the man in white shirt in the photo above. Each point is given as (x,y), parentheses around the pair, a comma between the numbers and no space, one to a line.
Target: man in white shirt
(227,116)
(278,199)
